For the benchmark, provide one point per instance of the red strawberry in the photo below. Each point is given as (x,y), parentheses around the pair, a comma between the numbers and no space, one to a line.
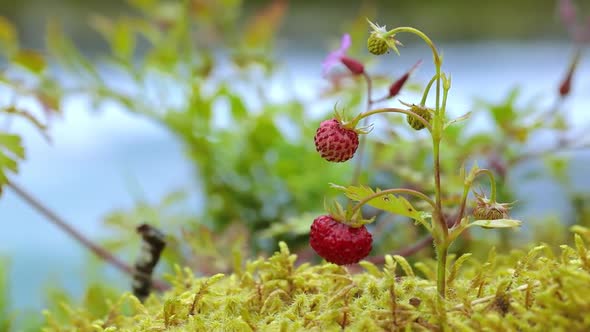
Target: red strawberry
(339,243)
(335,142)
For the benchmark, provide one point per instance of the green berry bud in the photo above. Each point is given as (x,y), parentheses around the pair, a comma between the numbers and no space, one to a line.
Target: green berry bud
(414,122)
(488,213)
(488,210)
(376,45)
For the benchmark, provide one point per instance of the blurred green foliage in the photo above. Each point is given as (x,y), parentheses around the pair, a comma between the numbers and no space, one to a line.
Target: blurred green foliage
(23,76)
(203,72)
(5,316)
(207,77)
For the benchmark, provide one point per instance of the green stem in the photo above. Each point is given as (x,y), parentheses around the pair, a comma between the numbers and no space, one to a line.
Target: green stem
(438,108)
(444,101)
(427,90)
(437,61)
(441,271)
(394,191)
(463,204)
(466,188)
(391,110)
(492,182)
(441,231)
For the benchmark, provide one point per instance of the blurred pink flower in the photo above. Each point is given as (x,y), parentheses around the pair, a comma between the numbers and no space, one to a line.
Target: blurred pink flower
(567,13)
(579,32)
(339,56)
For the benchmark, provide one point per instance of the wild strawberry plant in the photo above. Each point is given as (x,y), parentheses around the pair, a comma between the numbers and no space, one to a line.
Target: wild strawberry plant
(337,140)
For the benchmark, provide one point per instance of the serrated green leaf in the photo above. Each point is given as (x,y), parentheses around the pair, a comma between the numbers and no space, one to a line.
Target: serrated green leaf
(504,113)
(123,40)
(8,163)
(390,203)
(30,59)
(459,119)
(237,106)
(11,150)
(12,143)
(498,223)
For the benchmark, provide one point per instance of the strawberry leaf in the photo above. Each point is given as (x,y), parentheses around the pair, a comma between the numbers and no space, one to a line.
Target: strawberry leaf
(390,203)
(498,223)
(11,150)
(31,60)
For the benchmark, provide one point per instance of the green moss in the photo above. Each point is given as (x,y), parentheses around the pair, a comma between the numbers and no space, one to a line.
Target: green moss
(528,291)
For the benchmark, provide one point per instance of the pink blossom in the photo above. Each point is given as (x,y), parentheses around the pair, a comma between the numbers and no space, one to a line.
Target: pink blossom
(579,32)
(339,56)
(567,12)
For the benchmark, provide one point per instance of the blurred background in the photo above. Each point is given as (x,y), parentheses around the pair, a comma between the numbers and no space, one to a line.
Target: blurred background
(105,158)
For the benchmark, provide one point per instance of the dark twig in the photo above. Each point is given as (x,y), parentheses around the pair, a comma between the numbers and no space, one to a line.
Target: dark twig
(98,250)
(151,249)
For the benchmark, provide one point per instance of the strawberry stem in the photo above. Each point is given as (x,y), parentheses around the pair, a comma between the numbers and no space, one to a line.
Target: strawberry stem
(392,110)
(427,90)
(492,182)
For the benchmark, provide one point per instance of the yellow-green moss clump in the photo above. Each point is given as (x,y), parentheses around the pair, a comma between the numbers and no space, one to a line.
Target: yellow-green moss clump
(534,291)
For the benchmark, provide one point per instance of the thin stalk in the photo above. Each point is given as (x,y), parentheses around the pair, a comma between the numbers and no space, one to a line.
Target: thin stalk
(463,205)
(441,270)
(441,232)
(427,90)
(466,188)
(420,34)
(492,182)
(394,110)
(95,248)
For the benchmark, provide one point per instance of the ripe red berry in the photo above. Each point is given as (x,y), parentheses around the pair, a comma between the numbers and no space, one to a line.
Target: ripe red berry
(334,142)
(339,243)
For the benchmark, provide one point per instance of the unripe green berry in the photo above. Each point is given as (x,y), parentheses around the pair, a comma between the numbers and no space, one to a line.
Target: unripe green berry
(488,213)
(479,213)
(414,122)
(488,210)
(377,45)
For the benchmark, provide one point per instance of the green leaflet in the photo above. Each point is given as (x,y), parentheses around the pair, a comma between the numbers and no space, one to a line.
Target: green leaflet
(498,223)
(390,203)
(11,150)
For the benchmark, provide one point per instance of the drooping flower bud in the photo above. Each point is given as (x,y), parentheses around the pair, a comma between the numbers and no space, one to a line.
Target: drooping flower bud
(377,45)
(422,111)
(396,87)
(567,13)
(353,65)
(566,84)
